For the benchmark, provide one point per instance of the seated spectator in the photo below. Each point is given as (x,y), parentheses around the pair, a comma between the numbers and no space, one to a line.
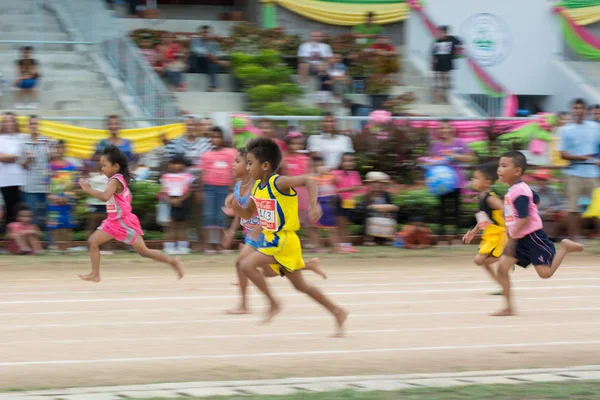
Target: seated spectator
(338,75)
(23,235)
(366,32)
(380,221)
(323,96)
(416,235)
(551,206)
(175,70)
(28,75)
(312,54)
(169,59)
(206,56)
(386,55)
(149,52)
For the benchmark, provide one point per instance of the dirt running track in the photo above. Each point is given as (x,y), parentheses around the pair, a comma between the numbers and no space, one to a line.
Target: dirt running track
(409,314)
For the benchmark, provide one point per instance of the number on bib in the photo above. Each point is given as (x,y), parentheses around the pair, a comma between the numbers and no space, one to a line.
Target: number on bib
(267,212)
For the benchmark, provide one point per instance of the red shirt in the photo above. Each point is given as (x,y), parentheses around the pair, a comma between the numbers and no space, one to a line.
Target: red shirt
(383,46)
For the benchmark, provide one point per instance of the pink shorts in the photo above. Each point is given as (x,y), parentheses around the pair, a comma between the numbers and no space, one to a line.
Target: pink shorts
(126,230)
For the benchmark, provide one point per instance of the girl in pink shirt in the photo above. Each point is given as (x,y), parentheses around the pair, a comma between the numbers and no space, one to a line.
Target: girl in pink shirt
(348,185)
(121,223)
(217,180)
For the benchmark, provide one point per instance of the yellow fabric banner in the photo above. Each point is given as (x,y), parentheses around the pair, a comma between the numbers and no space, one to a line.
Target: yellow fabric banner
(344,14)
(81,142)
(585,15)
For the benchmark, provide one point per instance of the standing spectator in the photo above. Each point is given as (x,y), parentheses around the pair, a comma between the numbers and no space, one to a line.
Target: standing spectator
(206,56)
(11,171)
(311,54)
(551,204)
(61,199)
(329,144)
(457,153)
(190,145)
(323,96)
(113,125)
(217,179)
(204,127)
(580,145)
(386,55)
(267,128)
(595,111)
(28,74)
(444,51)
(24,236)
(348,185)
(35,160)
(366,32)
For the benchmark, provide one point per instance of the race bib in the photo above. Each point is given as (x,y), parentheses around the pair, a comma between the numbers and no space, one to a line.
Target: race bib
(267,212)
(111,206)
(509,216)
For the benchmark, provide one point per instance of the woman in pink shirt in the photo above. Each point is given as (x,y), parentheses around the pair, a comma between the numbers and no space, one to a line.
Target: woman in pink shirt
(217,179)
(348,185)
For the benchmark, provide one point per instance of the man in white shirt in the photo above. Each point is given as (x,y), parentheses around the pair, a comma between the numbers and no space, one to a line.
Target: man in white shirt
(311,54)
(329,144)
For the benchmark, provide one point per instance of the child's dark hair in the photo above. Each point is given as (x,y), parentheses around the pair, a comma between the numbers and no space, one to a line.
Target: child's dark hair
(179,159)
(114,155)
(265,150)
(243,151)
(61,142)
(317,159)
(216,129)
(489,171)
(519,160)
(23,207)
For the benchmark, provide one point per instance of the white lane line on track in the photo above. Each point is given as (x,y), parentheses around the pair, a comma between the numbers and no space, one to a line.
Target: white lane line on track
(304,305)
(325,285)
(235,319)
(299,353)
(232,296)
(293,334)
(231,274)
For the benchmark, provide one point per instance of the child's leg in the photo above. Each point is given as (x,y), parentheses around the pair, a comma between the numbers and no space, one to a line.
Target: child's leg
(486,261)
(157,255)
(503,278)
(301,285)
(313,237)
(342,226)
(566,246)
(35,244)
(250,267)
(95,241)
(22,243)
(242,281)
(314,265)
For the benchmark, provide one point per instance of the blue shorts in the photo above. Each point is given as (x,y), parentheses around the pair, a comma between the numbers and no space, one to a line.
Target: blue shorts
(533,249)
(328,206)
(27,84)
(254,243)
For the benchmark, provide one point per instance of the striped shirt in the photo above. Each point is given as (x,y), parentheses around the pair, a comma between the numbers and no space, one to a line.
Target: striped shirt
(190,150)
(36,173)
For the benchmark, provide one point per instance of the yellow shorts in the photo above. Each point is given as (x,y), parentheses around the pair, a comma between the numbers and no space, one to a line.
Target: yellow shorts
(493,241)
(285,248)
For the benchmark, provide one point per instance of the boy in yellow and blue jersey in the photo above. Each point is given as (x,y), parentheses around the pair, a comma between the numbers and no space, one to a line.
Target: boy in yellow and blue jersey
(276,203)
(490,219)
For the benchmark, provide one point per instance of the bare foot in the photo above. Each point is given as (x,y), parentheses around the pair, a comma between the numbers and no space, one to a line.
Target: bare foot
(90,278)
(507,312)
(178,268)
(238,311)
(341,316)
(272,313)
(314,265)
(571,246)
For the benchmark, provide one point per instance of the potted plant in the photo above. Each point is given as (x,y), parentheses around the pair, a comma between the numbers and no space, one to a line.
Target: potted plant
(378,87)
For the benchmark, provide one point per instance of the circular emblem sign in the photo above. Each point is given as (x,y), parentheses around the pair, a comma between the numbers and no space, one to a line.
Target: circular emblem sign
(486,38)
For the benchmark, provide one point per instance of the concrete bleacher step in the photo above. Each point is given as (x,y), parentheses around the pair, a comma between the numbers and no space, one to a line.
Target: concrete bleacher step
(209,102)
(199,82)
(221,28)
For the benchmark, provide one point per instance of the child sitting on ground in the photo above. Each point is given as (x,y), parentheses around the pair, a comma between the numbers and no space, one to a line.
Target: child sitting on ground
(381,212)
(23,235)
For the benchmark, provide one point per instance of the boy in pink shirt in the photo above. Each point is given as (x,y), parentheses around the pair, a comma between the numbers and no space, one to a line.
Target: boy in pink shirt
(528,243)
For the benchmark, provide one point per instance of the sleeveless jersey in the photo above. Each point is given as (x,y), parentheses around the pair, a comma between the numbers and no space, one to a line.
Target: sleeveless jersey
(119,205)
(496,216)
(253,222)
(278,211)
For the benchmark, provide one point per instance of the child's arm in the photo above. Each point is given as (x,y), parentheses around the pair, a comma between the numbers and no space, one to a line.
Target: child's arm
(495,203)
(522,207)
(244,212)
(285,183)
(111,189)
(230,233)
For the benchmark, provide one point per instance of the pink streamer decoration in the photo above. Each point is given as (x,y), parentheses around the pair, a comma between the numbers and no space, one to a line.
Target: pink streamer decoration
(583,33)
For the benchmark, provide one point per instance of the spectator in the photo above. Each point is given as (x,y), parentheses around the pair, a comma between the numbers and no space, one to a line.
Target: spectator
(380,211)
(338,76)
(28,75)
(190,145)
(323,96)
(444,51)
(113,125)
(366,32)
(24,236)
(206,56)
(595,111)
(386,55)
(268,130)
(171,61)
(327,199)
(329,144)
(35,160)
(148,50)
(564,118)
(217,179)
(310,55)
(62,198)
(551,204)
(348,185)
(11,171)
(457,153)
(580,145)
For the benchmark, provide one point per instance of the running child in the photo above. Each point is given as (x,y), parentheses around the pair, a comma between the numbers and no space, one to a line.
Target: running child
(253,236)
(490,219)
(276,202)
(121,224)
(528,243)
